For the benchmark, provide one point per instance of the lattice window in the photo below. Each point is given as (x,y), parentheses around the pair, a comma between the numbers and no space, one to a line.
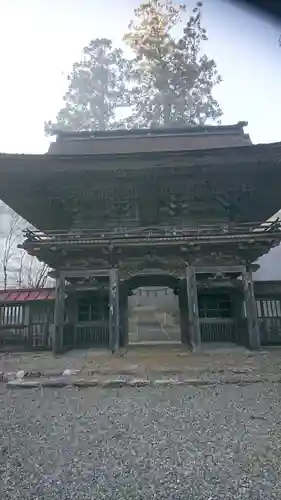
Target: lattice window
(215,306)
(92,310)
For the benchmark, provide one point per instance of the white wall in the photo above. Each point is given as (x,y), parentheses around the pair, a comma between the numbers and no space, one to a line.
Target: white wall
(270,263)
(270,266)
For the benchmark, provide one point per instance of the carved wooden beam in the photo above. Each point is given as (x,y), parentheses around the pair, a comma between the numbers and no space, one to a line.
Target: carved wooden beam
(219,270)
(84,273)
(59,315)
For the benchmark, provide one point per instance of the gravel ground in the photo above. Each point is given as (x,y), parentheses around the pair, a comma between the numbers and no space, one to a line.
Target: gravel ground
(148,360)
(180,443)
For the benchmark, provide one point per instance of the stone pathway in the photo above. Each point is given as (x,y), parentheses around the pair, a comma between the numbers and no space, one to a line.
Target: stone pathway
(118,383)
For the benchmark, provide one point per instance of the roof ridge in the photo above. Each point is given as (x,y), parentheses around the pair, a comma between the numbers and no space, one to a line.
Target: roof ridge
(144,132)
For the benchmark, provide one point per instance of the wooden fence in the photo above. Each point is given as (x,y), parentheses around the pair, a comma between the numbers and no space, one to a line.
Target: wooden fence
(30,326)
(26,325)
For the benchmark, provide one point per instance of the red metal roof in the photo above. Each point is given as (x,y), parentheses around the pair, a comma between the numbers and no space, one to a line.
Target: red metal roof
(26,295)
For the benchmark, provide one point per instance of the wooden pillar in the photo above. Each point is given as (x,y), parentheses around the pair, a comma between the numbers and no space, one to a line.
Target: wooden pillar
(251,310)
(193,313)
(114,310)
(71,308)
(28,322)
(59,315)
(183,308)
(237,301)
(124,327)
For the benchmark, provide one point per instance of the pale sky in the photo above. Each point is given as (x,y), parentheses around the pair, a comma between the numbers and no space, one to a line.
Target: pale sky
(40,39)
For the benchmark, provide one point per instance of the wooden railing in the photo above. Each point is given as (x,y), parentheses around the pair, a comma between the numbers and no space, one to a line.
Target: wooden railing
(218,330)
(212,230)
(95,334)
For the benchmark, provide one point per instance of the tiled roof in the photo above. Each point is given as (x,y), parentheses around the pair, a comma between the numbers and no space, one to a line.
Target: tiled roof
(188,138)
(26,295)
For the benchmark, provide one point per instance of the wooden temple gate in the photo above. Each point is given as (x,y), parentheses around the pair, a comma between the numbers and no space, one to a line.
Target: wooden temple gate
(216,303)
(114,204)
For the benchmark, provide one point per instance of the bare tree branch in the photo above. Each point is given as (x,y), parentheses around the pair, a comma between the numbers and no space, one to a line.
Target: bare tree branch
(10,233)
(16,266)
(35,274)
